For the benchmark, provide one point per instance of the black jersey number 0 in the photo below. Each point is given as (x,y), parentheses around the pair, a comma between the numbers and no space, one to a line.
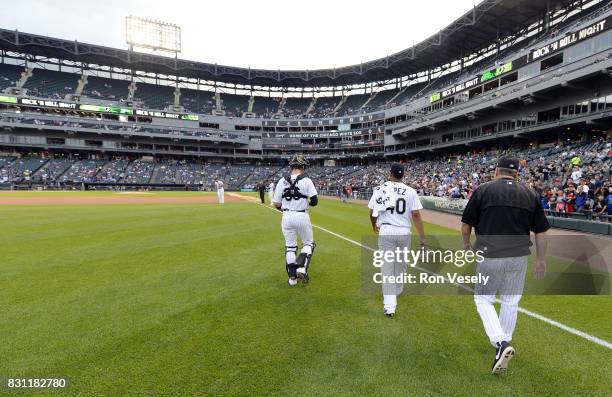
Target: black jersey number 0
(400,206)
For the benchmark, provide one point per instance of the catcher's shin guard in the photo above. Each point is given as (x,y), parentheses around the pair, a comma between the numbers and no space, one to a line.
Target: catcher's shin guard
(304,259)
(290,261)
(291,270)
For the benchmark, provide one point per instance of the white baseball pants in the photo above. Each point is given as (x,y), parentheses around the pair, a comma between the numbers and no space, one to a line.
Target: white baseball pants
(296,224)
(221,195)
(390,238)
(506,277)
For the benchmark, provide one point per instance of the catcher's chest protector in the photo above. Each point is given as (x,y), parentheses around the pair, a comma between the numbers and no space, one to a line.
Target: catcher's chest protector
(293,191)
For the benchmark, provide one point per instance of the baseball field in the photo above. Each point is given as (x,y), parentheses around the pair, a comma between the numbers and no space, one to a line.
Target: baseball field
(153,294)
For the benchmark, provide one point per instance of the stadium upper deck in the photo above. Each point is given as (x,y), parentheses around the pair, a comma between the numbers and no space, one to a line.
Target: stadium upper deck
(492,24)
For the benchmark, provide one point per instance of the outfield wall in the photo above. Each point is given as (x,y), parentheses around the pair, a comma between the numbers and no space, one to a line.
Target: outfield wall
(456,206)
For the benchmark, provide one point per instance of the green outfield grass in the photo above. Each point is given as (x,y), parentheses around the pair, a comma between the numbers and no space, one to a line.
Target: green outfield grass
(189,299)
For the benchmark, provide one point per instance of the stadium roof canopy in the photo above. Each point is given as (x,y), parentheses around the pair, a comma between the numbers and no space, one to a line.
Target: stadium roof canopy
(479,28)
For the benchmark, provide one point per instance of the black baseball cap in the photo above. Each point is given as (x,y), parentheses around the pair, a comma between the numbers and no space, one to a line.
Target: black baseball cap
(397,170)
(509,163)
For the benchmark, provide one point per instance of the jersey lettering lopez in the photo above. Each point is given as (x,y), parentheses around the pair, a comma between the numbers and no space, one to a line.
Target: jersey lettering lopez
(298,199)
(399,200)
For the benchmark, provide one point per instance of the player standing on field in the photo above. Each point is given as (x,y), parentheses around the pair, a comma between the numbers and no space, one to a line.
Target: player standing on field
(504,212)
(392,206)
(220,191)
(261,188)
(293,195)
(271,191)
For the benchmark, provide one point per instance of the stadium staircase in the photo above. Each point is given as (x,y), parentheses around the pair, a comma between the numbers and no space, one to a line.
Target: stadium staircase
(62,172)
(392,99)
(281,106)
(177,96)
(155,174)
(131,90)
(25,76)
(340,104)
(370,99)
(251,103)
(311,107)
(381,98)
(81,85)
(218,102)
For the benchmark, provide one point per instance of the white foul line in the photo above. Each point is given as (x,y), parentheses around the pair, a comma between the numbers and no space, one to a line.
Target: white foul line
(529,313)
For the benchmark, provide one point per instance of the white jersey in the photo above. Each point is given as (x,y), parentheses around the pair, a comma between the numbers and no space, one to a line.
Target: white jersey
(219,185)
(304,187)
(271,187)
(404,200)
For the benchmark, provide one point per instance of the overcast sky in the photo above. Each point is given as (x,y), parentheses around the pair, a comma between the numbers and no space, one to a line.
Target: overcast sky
(272,34)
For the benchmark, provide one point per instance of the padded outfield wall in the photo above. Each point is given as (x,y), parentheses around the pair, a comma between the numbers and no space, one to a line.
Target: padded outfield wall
(456,206)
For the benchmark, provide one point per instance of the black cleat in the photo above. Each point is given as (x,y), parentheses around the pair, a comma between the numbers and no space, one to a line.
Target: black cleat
(389,314)
(303,276)
(503,355)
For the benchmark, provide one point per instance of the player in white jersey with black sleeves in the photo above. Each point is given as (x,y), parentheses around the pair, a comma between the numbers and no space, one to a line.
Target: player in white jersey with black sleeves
(220,191)
(392,208)
(293,195)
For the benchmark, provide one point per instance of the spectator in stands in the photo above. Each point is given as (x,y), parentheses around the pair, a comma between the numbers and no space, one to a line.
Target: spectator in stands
(581,196)
(609,203)
(560,209)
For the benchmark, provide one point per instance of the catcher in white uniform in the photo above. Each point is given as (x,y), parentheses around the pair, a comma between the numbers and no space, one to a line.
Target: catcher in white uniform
(220,191)
(293,195)
(392,206)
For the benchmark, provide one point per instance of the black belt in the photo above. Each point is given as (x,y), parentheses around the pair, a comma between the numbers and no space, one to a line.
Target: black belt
(294,210)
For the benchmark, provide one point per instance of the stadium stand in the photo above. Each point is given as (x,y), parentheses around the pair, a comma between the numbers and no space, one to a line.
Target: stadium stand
(296,107)
(237,174)
(325,106)
(262,174)
(23,168)
(213,172)
(113,171)
(197,101)
(154,96)
(531,109)
(82,171)
(558,172)
(5,160)
(381,98)
(51,84)
(52,170)
(9,75)
(353,104)
(190,173)
(234,105)
(164,172)
(105,88)
(407,93)
(139,172)
(266,106)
